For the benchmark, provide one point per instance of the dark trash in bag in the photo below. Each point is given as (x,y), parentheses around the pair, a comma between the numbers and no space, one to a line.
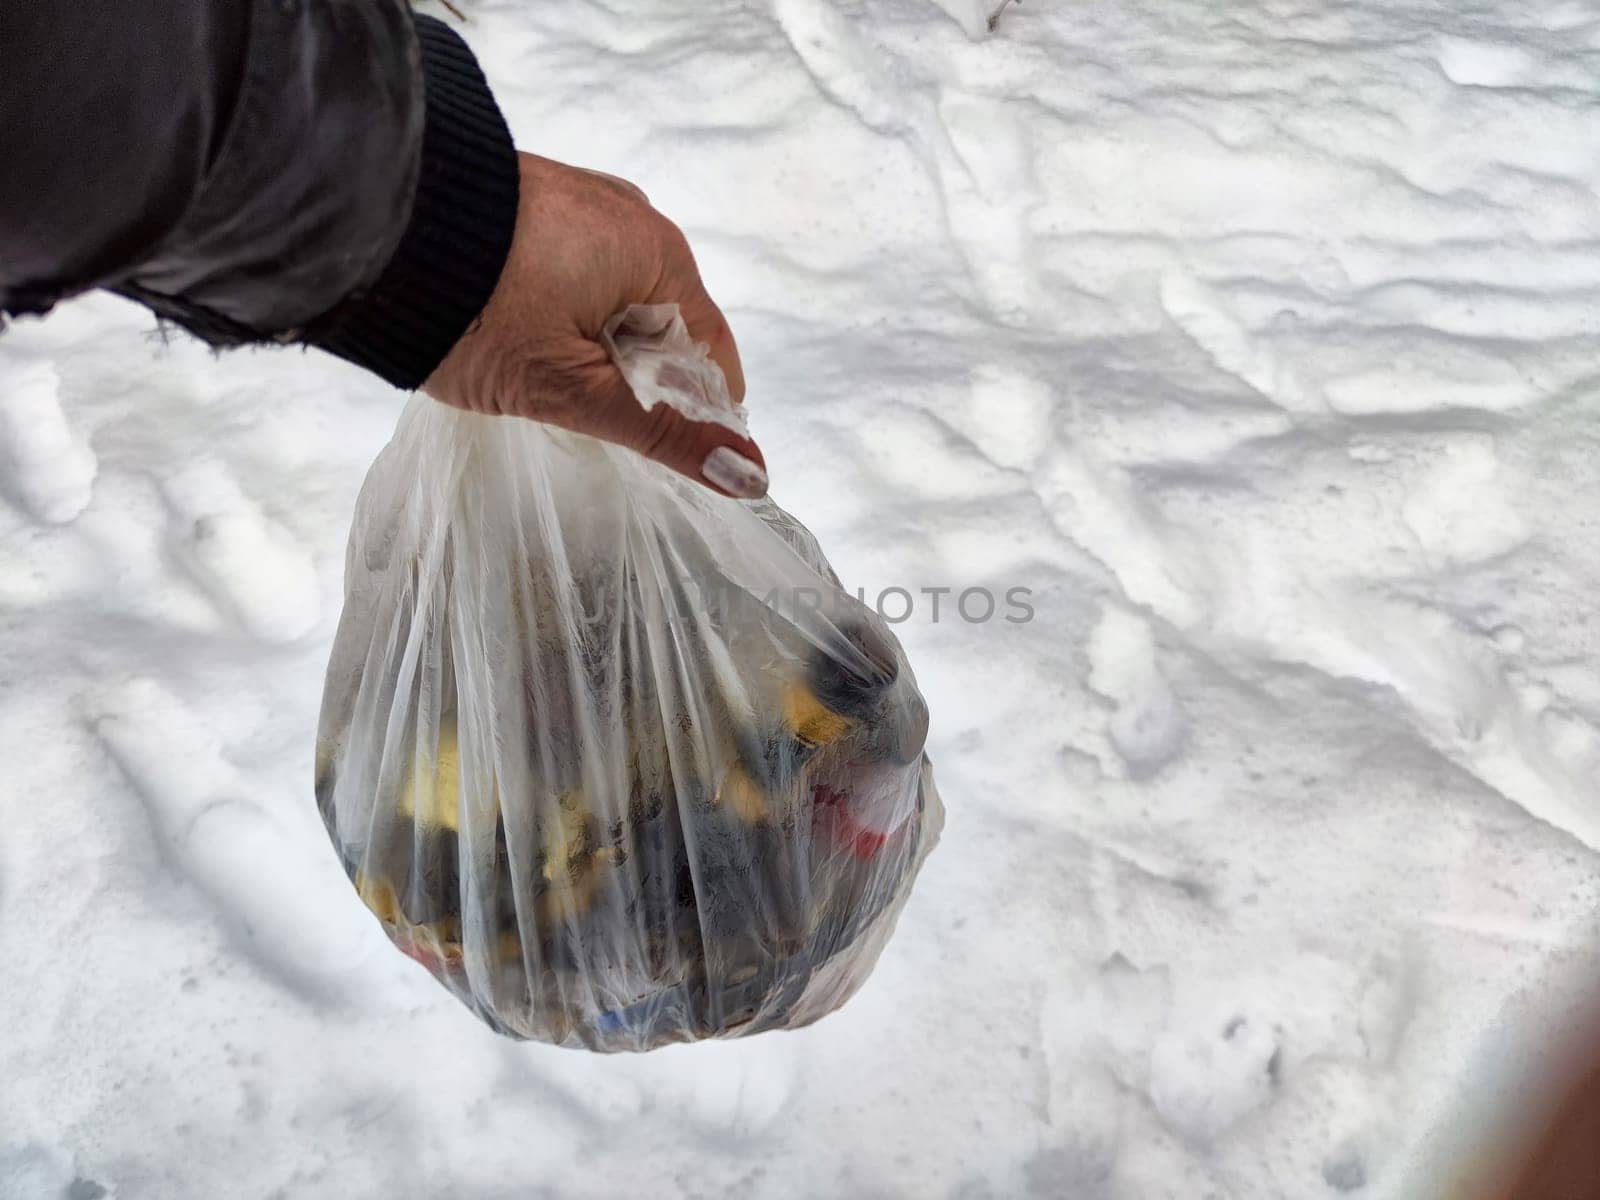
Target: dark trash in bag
(617,759)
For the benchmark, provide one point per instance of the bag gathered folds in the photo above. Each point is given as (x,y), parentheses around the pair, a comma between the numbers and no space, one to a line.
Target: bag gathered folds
(616,758)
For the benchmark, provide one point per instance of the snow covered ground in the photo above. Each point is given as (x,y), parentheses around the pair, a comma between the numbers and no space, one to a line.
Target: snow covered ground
(1260,339)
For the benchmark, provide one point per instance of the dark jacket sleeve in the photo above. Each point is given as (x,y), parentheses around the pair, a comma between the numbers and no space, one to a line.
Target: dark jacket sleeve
(333,172)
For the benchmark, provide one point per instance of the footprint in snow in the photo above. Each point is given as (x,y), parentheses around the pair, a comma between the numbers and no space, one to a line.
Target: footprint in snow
(1209,1070)
(252,567)
(1008,420)
(986,173)
(1200,311)
(33,1171)
(274,886)
(45,464)
(1147,727)
(1462,509)
(849,72)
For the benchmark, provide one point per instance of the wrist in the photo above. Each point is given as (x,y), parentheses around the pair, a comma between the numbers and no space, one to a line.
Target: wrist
(457,239)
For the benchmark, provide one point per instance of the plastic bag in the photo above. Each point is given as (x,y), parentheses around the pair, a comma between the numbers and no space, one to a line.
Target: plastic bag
(616,758)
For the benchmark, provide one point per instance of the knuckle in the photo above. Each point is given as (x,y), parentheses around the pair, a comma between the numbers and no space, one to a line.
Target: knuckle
(625,188)
(672,237)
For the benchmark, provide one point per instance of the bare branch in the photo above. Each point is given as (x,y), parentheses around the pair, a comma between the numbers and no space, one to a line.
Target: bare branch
(994,17)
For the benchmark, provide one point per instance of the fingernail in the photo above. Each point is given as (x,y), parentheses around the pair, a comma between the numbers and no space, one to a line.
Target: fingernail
(734,473)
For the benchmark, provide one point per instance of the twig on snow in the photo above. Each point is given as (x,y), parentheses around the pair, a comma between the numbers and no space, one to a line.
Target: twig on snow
(994,17)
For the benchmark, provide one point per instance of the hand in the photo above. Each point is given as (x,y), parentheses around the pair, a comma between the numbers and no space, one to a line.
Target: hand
(586,246)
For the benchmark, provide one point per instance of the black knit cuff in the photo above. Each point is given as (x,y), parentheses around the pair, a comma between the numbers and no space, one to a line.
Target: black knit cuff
(450,257)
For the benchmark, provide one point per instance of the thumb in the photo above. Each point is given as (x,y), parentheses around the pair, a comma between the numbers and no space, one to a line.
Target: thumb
(708,453)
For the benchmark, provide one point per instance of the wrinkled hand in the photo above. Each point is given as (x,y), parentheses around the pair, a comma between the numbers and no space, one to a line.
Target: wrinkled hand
(588,245)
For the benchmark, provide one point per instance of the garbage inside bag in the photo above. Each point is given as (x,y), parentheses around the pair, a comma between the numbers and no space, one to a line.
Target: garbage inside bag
(615,757)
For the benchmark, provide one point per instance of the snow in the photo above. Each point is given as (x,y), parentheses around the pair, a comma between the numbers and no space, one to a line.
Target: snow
(1255,339)
(49,467)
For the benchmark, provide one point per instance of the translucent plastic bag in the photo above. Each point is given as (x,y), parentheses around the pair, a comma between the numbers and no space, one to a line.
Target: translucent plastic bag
(616,758)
